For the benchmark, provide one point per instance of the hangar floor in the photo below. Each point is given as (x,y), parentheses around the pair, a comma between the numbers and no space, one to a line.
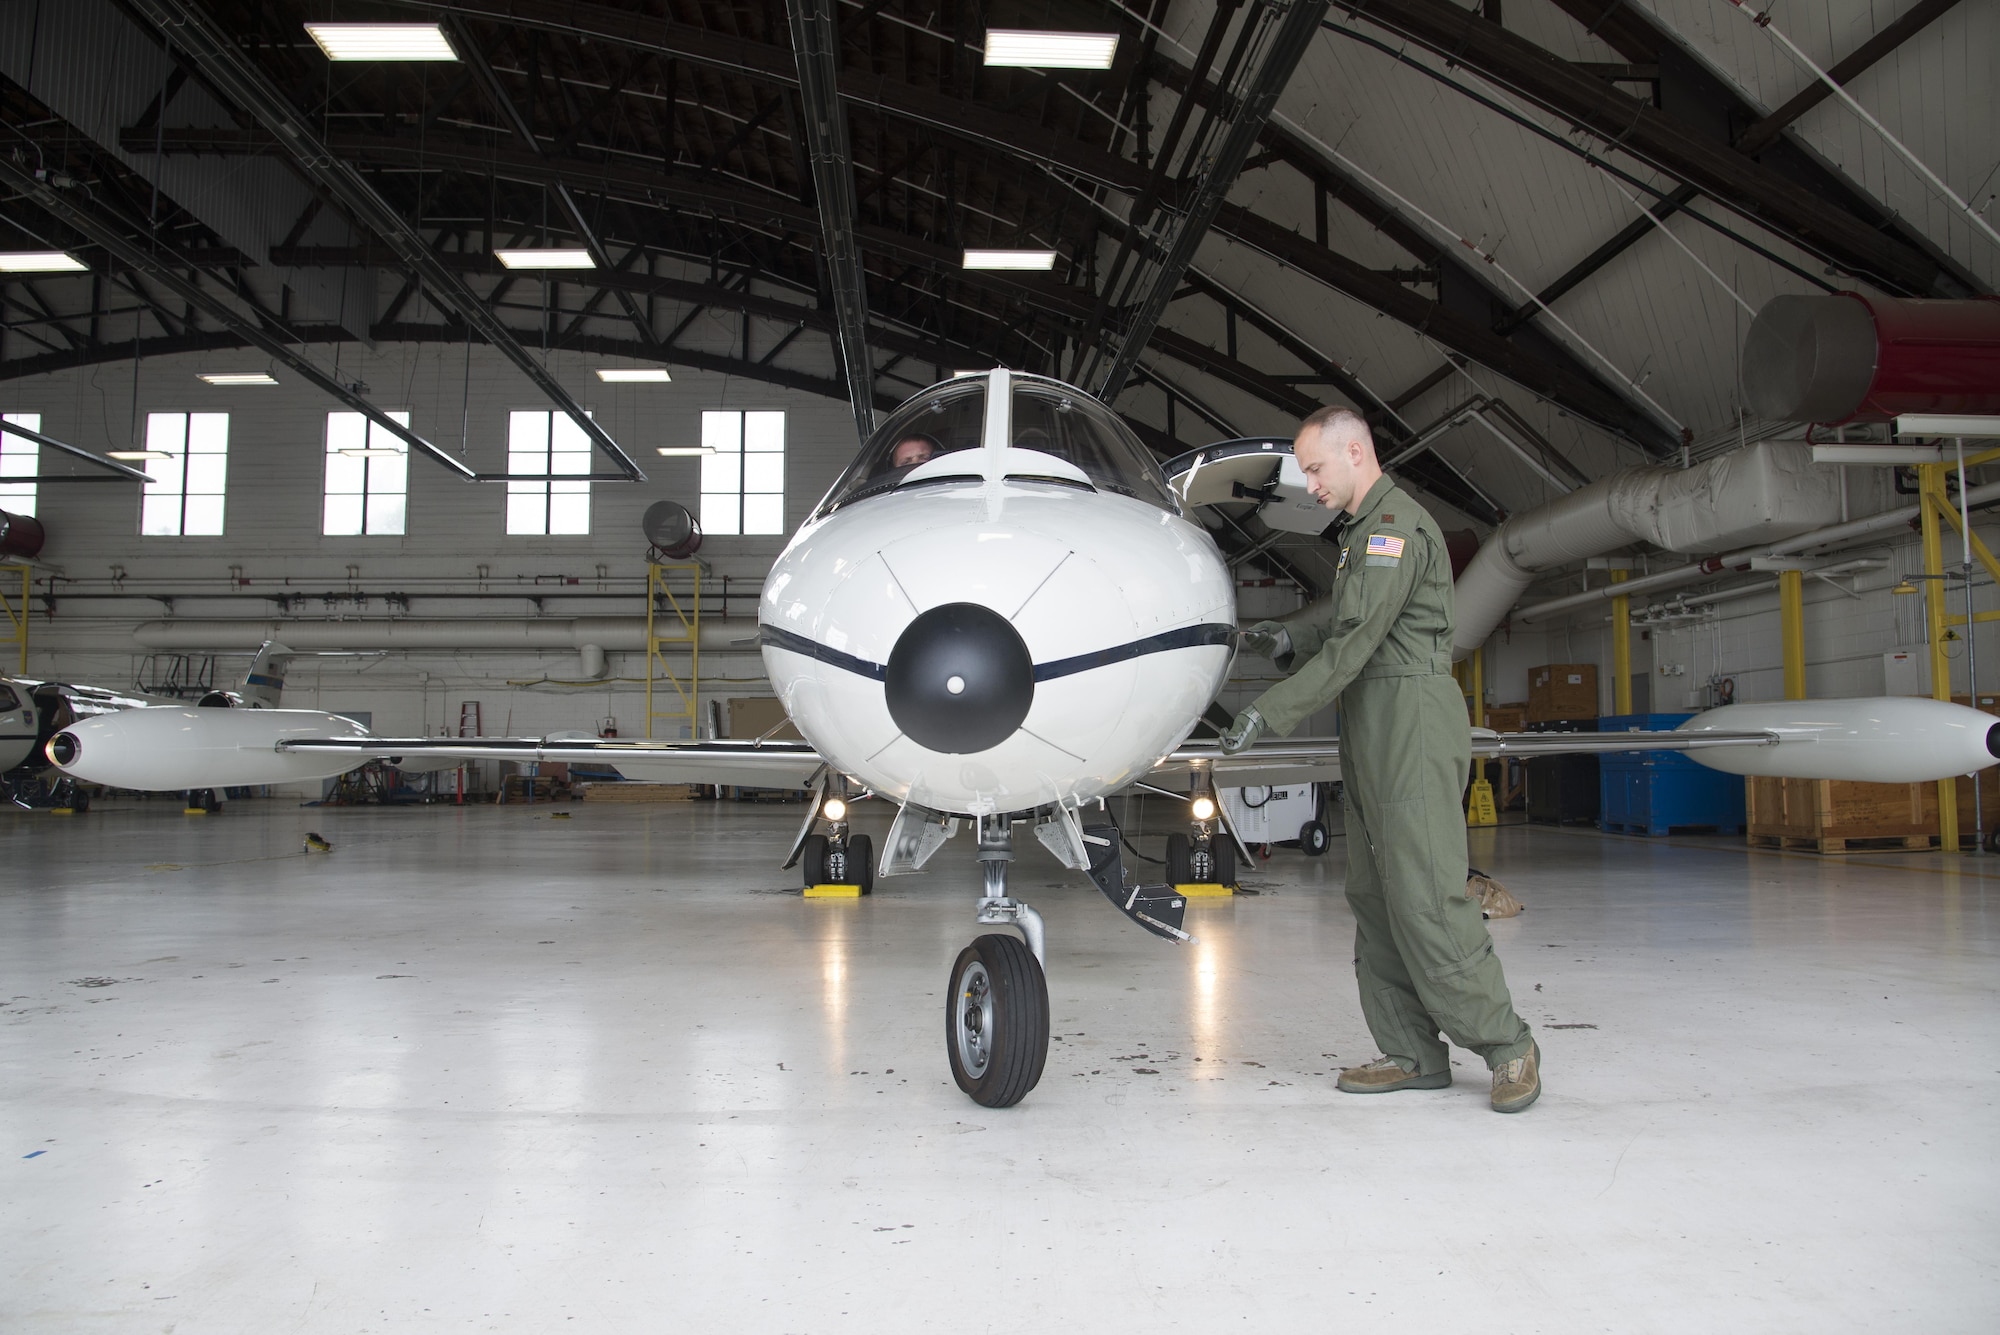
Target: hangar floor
(487,1069)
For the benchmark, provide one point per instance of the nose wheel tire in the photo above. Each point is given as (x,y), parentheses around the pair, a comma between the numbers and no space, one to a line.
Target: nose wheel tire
(996,1023)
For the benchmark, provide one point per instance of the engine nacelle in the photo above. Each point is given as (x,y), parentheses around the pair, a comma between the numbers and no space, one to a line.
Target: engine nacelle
(1885,739)
(177,747)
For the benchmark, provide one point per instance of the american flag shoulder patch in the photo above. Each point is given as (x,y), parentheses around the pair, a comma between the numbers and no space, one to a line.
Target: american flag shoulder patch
(1385,544)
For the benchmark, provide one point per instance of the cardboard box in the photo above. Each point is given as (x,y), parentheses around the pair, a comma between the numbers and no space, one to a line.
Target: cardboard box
(1562,691)
(750,717)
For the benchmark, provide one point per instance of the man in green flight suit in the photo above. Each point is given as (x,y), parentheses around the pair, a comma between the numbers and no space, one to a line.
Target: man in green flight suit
(1381,646)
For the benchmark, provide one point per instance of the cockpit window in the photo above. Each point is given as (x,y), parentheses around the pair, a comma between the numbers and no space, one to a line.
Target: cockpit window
(1054,419)
(9,702)
(943,420)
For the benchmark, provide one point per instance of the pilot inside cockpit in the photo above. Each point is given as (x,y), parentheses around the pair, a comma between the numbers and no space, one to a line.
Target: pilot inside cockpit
(913,449)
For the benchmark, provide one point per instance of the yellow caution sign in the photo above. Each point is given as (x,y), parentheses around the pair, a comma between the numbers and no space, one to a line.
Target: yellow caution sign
(1479,806)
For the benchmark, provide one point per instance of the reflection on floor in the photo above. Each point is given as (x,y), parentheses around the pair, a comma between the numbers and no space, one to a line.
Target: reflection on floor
(482,1068)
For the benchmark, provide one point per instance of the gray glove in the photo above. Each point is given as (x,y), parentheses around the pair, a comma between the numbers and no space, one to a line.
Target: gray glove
(1246,729)
(1268,639)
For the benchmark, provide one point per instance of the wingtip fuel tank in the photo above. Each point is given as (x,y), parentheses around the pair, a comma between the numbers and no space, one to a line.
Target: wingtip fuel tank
(1884,739)
(171,747)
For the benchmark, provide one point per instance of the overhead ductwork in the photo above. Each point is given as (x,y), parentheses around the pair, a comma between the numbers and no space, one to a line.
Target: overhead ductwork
(1765,493)
(591,637)
(1850,358)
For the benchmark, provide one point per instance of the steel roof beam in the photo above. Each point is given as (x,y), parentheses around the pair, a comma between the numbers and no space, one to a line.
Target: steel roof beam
(816,45)
(1643,131)
(172,272)
(227,66)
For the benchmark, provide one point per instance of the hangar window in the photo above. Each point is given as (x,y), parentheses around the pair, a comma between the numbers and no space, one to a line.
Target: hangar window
(184,500)
(20,461)
(367,477)
(547,445)
(743,480)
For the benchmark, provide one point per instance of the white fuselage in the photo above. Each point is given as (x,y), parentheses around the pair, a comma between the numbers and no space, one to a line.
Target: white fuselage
(1126,610)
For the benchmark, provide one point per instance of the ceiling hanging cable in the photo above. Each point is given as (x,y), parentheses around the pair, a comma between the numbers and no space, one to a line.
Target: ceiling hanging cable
(1763,20)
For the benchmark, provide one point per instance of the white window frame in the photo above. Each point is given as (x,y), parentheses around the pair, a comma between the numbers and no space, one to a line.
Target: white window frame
(20,465)
(743,478)
(549,445)
(366,497)
(187,497)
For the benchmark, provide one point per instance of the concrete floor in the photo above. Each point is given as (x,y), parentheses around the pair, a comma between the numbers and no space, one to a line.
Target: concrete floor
(482,1069)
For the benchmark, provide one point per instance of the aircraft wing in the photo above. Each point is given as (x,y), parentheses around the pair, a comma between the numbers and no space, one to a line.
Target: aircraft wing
(769,764)
(1319,758)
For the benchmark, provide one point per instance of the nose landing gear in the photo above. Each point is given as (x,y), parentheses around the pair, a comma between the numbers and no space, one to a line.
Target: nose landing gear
(997,999)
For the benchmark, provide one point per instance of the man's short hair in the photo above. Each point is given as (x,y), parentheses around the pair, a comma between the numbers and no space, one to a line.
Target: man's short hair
(1339,419)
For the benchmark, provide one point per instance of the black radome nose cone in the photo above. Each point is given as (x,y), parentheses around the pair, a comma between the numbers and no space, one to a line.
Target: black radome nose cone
(960,679)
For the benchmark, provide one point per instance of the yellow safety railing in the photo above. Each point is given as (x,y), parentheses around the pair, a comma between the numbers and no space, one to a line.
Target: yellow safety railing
(15,610)
(673,623)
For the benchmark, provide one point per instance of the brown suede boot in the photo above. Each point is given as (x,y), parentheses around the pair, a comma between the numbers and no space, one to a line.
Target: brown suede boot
(1518,1083)
(1386,1074)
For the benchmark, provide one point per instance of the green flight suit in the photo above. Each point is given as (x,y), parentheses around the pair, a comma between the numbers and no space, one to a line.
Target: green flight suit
(1381,646)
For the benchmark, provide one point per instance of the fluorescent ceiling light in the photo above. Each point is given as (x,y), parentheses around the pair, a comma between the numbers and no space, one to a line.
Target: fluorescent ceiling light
(634,375)
(1010,259)
(238,378)
(369,452)
(1050,50)
(39,261)
(672,451)
(381,41)
(547,258)
(135,455)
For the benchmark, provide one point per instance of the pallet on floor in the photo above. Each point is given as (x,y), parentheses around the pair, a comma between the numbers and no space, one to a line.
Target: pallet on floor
(1655,831)
(638,792)
(1886,843)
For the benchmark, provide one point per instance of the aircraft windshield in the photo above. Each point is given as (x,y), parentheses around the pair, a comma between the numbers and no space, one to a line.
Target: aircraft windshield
(1054,419)
(944,420)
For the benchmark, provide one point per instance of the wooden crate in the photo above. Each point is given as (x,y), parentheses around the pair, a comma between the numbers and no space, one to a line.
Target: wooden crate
(1507,718)
(1841,815)
(1561,691)
(752,716)
(638,792)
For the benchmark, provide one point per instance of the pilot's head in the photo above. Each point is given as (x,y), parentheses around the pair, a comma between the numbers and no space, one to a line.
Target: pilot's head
(913,449)
(1336,451)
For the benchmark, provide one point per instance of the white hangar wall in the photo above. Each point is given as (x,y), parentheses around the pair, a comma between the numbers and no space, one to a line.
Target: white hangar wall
(272,526)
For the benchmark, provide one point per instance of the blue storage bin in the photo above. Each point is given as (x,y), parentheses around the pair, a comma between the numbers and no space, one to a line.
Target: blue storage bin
(1653,792)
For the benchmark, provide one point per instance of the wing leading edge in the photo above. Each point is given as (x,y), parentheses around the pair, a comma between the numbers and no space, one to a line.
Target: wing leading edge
(761,764)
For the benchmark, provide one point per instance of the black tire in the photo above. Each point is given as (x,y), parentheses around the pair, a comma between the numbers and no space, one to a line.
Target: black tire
(1993,841)
(1313,839)
(861,862)
(812,860)
(1180,859)
(1222,851)
(996,1019)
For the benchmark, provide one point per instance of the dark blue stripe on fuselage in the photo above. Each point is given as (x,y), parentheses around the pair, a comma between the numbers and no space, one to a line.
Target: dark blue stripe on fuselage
(775,638)
(1186,637)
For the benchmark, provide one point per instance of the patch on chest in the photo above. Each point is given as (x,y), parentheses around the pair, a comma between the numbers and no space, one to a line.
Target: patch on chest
(1343,561)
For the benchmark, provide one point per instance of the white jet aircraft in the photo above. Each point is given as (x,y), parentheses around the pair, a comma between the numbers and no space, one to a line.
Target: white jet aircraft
(1002,614)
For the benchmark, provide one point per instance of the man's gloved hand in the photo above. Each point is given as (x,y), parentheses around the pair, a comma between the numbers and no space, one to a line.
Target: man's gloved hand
(1247,728)
(1268,639)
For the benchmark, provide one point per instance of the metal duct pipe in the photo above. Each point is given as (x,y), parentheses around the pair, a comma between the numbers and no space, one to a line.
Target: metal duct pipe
(1849,358)
(521,635)
(1836,536)
(1770,490)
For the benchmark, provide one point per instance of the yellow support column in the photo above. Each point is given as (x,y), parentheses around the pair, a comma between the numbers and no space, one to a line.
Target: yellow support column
(1931,502)
(16,612)
(1479,809)
(1621,648)
(680,627)
(1792,630)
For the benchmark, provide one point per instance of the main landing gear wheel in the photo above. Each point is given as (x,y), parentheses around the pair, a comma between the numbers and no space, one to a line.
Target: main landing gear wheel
(996,1023)
(1312,838)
